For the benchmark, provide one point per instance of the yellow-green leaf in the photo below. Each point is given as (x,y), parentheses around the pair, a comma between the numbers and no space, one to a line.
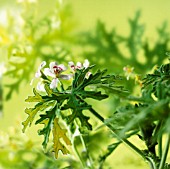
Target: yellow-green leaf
(36,98)
(59,133)
(31,114)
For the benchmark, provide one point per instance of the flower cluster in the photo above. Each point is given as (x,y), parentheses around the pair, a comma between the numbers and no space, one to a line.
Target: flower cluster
(129,72)
(55,72)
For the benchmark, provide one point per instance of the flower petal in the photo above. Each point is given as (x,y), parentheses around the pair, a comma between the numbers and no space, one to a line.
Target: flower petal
(40,87)
(54,83)
(71,63)
(66,77)
(86,64)
(42,64)
(79,65)
(62,67)
(52,64)
(48,72)
(38,74)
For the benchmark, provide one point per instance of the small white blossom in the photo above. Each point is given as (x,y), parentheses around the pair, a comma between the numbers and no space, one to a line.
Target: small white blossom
(79,65)
(38,73)
(86,64)
(55,71)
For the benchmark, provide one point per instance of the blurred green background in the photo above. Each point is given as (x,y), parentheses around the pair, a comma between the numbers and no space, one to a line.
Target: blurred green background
(110,33)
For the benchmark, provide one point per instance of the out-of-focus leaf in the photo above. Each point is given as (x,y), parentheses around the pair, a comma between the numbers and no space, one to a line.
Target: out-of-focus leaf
(109,151)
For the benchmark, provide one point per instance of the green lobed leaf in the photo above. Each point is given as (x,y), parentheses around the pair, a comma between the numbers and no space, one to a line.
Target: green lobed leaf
(93,95)
(46,119)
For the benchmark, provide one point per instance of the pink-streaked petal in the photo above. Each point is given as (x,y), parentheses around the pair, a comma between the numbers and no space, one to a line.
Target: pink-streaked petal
(62,67)
(86,64)
(78,65)
(48,72)
(54,83)
(66,77)
(52,64)
(71,63)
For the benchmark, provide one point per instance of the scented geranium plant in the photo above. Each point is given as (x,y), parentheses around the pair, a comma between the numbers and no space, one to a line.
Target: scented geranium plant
(64,108)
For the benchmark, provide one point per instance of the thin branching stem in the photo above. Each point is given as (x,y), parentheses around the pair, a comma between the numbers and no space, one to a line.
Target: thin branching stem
(152,163)
(137,150)
(77,153)
(84,147)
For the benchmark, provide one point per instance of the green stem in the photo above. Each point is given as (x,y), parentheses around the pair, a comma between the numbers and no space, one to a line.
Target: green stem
(77,153)
(138,151)
(160,146)
(84,145)
(152,163)
(165,153)
(85,148)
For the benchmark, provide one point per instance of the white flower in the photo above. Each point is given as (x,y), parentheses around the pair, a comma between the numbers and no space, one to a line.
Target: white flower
(54,83)
(55,71)
(79,65)
(86,64)
(38,73)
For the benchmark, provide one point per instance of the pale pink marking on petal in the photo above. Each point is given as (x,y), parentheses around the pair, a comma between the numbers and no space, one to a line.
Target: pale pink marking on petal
(71,65)
(52,64)
(62,67)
